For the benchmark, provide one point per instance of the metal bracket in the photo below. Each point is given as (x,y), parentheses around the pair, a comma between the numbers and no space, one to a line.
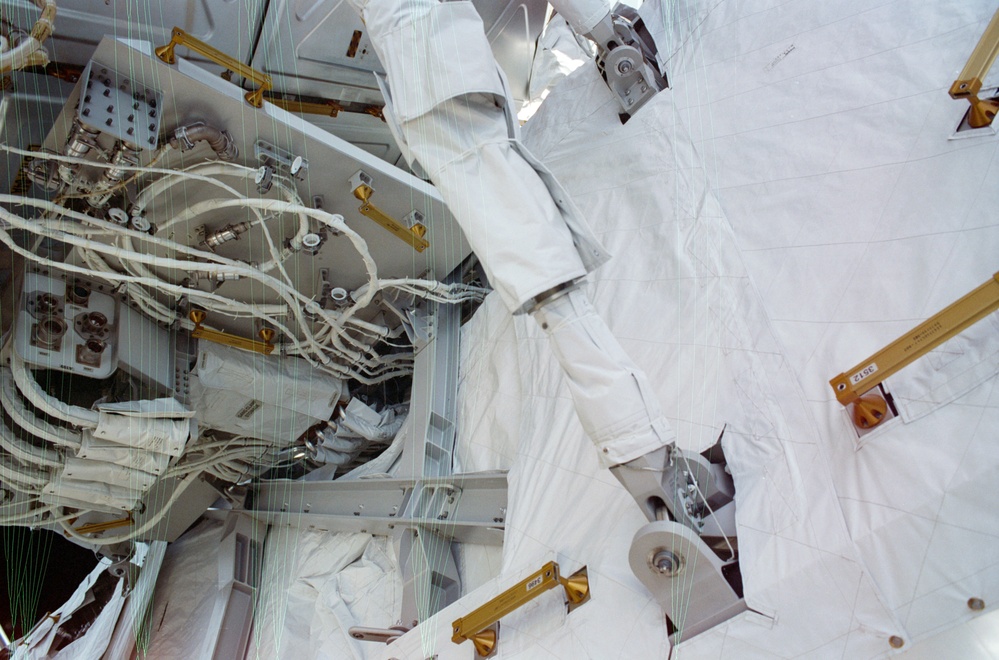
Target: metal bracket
(685,577)
(477,624)
(383,635)
(114,104)
(268,154)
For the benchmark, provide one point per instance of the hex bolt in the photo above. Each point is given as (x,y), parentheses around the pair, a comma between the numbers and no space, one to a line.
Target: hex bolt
(107,92)
(109,121)
(666,563)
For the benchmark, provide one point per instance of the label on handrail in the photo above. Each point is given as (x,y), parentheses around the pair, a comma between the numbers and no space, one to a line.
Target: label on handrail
(870,369)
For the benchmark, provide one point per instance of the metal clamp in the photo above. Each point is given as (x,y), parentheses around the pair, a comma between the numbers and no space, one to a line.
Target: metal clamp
(477,624)
(181,38)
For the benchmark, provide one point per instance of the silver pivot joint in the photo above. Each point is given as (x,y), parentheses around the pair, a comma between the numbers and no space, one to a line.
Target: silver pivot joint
(627,58)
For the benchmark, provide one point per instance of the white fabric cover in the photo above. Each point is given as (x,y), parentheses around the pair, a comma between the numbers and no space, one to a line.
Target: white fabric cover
(109,473)
(949,372)
(319,584)
(95,495)
(112,452)
(90,646)
(187,590)
(827,129)
(157,426)
(270,397)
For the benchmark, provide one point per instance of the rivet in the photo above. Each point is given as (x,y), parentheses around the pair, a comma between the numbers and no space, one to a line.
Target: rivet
(896,642)
(976,604)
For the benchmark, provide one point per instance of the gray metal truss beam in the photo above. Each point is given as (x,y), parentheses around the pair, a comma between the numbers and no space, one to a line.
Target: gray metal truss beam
(470,508)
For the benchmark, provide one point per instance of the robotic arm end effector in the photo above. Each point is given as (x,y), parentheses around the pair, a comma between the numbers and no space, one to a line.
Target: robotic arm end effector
(627,55)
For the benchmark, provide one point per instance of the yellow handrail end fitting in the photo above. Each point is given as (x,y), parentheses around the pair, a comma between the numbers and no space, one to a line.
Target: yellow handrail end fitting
(969,82)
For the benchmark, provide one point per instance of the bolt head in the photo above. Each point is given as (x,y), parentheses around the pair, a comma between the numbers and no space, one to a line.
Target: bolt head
(625,66)
(666,562)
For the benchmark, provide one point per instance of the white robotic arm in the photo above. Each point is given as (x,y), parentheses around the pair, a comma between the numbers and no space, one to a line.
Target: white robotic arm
(447,104)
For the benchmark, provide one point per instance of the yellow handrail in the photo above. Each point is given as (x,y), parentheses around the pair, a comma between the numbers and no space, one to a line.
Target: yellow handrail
(181,38)
(476,625)
(919,341)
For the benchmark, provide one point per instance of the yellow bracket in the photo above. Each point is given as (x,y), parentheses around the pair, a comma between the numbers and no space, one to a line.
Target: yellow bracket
(412,235)
(93,528)
(265,347)
(476,625)
(969,83)
(917,342)
(181,38)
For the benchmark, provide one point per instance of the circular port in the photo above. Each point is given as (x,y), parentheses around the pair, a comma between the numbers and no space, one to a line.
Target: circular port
(311,240)
(78,294)
(96,346)
(46,304)
(49,330)
(95,322)
(118,216)
(338,294)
